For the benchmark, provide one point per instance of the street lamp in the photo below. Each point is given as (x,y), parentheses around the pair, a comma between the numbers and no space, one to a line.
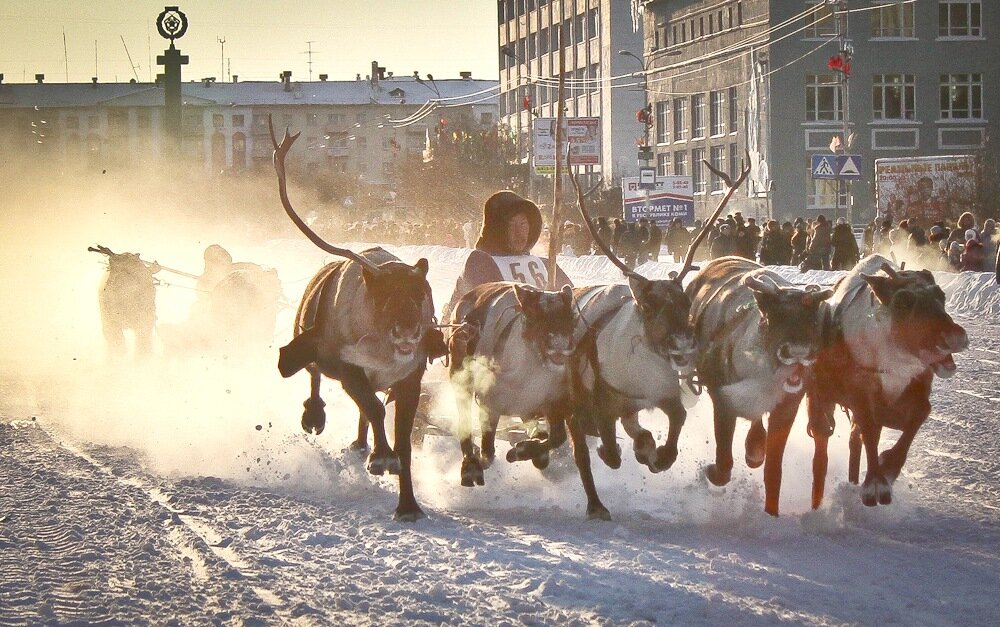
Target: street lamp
(647,123)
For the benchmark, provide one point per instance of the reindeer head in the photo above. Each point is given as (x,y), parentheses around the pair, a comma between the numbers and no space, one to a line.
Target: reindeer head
(790,328)
(399,293)
(550,322)
(665,310)
(918,320)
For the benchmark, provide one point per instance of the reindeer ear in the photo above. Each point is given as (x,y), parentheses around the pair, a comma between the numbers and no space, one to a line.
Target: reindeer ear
(882,286)
(638,285)
(525,296)
(422,267)
(817,295)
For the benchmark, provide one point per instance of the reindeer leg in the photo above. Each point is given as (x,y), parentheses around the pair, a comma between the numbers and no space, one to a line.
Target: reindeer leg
(875,489)
(314,417)
(407,394)
(917,406)
(595,509)
(537,449)
(721,471)
(666,455)
(489,439)
(114,335)
(361,443)
(643,444)
(854,453)
(756,443)
(472,466)
(779,424)
(359,388)
(821,436)
(609,450)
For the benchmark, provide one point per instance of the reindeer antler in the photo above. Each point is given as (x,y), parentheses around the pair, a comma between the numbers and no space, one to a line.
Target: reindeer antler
(744,171)
(629,272)
(280,150)
(104,250)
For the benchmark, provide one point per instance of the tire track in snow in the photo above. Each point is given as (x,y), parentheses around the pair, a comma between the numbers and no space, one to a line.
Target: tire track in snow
(206,538)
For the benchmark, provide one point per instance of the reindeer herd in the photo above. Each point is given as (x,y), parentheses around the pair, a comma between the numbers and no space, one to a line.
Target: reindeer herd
(588,357)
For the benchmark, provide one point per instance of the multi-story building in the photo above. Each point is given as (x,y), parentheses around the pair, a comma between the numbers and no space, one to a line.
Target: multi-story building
(755,75)
(360,127)
(592,34)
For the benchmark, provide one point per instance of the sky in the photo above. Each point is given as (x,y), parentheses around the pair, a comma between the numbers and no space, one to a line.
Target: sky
(262,38)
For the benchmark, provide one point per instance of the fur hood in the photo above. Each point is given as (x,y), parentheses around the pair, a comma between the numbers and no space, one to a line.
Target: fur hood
(499,208)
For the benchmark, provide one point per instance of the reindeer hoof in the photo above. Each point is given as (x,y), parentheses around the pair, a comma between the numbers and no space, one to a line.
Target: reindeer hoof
(409,514)
(541,461)
(611,458)
(472,473)
(716,476)
(313,418)
(598,512)
(665,457)
(359,446)
(756,446)
(525,449)
(644,448)
(383,464)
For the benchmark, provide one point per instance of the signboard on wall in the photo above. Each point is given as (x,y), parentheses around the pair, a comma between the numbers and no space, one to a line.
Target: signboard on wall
(672,197)
(583,135)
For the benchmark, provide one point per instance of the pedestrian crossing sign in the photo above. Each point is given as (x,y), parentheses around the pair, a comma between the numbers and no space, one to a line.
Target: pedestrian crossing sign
(824,166)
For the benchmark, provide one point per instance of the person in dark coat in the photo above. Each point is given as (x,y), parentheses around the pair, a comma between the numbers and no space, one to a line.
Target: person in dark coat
(655,240)
(820,243)
(725,244)
(678,239)
(770,244)
(619,227)
(511,227)
(845,247)
(605,232)
(630,244)
(799,241)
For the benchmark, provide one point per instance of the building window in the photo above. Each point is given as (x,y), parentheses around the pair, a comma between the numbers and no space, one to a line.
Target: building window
(662,163)
(312,119)
(823,98)
(217,120)
(543,41)
(893,20)
(719,163)
(698,170)
(960,18)
(680,119)
(531,45)
(718,112)
(662,118)
(733,110)
(961,96)
(733,160)
(697,116)
(680,163)
(238,121)
(578,33)
(486,118)
(823,193)
(593,23)
(822,23)
(893,96)
(595,77)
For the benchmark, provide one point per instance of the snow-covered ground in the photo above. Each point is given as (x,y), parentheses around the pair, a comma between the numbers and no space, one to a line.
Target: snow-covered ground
(183,491)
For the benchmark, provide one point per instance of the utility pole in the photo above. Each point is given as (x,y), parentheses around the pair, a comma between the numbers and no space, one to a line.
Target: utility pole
(846,51)
(555,227)
(310,62)
(222,61)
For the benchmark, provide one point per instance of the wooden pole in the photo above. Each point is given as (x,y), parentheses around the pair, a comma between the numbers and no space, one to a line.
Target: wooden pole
(555,227)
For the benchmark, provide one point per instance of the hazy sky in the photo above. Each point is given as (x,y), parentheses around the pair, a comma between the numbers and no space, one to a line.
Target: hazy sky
(442,37)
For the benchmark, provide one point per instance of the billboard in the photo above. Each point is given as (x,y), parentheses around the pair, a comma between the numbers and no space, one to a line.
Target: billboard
(672,198)
(930,189)
(583,134)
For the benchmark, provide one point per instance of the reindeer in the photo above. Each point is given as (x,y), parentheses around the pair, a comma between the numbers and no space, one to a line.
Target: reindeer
(368,322)
(888,335)
(127,300)
(509,353)
(637,344)
(758,337)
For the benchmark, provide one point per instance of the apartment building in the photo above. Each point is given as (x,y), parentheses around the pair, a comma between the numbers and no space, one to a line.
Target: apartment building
(596,76)
(361,127)
(755,75)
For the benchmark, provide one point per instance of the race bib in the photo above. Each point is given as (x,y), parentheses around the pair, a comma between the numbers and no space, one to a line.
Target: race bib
(524,269)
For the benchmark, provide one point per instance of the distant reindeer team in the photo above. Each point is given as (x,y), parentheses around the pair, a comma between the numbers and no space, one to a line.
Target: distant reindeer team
(584,358)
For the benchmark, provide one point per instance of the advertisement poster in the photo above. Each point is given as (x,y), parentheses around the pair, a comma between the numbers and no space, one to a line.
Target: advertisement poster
(930,189)
(672,198)
(583,135)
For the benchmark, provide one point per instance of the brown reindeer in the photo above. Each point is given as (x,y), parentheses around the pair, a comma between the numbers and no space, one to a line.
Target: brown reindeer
(127,299)
(368,322)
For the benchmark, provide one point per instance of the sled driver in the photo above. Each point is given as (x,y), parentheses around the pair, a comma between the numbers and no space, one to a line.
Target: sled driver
(511,227)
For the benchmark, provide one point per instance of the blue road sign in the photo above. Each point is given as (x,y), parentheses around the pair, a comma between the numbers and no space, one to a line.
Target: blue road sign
(846,167)
(824,166)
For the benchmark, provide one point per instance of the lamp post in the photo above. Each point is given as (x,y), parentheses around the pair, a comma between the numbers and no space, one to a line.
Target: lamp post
(645,92)
(508,51)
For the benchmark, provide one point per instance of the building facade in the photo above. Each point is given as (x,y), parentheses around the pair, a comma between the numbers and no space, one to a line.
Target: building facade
(596,76)
(360,128)
(919,84)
